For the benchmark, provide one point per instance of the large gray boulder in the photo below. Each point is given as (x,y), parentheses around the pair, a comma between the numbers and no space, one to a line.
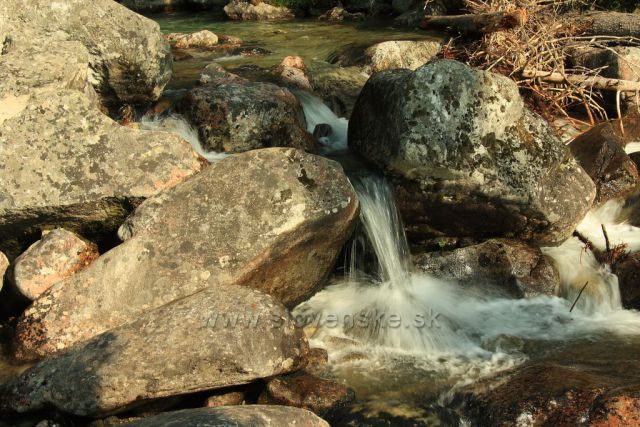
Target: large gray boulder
(272,219)
(65,164)
(130,62)
(223,336)
(236,416)
(466,157)
(237,115)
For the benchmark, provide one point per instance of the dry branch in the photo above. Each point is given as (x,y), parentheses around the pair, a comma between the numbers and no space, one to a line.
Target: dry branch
(481,23)
(614,24)
(596,82)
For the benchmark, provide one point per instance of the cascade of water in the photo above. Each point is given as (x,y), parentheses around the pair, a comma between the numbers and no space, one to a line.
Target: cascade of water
(316,112)
(177,124)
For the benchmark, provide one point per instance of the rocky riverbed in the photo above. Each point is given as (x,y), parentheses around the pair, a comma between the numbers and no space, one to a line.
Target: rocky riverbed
(272,221)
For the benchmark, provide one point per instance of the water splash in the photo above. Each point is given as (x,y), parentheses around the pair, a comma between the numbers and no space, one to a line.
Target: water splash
(177,124)
(448,328)
(316,112)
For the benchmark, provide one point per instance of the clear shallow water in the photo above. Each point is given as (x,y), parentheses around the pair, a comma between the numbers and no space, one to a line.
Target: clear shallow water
(311,39)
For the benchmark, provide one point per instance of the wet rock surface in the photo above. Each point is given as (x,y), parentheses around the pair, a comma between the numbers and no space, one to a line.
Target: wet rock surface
(338,14)
(187,346)
(338,87)
(201,39)
(628,272)
(4,265)
(600,152)
(237,416)
(388,55)
(55,257)
(303,390)
(584,385)
(235,115)
(272,219)
(515,267)
(467,158)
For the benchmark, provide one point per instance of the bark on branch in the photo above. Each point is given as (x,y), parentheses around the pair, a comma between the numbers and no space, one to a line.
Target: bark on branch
(596,82)
(606,24)
(474,24)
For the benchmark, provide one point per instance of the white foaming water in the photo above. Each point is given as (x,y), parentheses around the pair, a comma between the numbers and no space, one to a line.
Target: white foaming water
(577,264)
(464,332)
(177,124)
(316,112)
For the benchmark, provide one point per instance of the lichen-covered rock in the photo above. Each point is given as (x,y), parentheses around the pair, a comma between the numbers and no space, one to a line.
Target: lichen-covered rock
(223,336)
(236,416)
(338,87)
(256,11)
(67,165)
(239,115)
(273,219)
(601,154)
(388,55)
(204,39)
(466,157)
(515,267)
(58,255)
(130,61)
(304,390)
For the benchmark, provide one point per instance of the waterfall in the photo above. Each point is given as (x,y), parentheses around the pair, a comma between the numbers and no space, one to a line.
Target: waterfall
(316,113)
(390,309)
(177,124)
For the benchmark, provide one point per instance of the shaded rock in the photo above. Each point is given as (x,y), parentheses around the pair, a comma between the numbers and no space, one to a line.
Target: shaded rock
(387,55)
(67,165)
(402,6)
(204,39)
(466,157)
(593,384)
(628,272)
(519,269)
(307,391)
(411,17)
(338,87)
(229,40)
(58,255)
(187,346)
(239,115)
(130,62)
(340,14)
(237,416)
(273,219)
(601,154)
(317,361)
(246,11)
(322,130)
(225,399)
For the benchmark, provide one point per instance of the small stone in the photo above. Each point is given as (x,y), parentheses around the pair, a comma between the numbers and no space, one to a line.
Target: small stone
(225,399)
(58,255)
(307,391)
